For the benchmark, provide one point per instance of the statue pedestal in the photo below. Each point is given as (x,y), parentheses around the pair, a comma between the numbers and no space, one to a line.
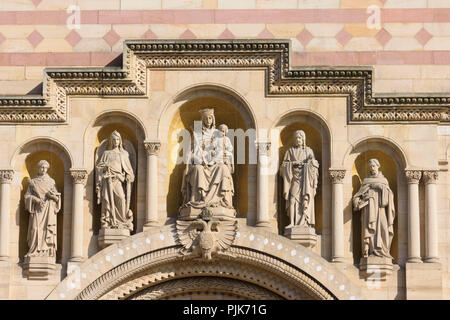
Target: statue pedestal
(220,213)
(107,237)
(39,268)
(376,268)
(306,236)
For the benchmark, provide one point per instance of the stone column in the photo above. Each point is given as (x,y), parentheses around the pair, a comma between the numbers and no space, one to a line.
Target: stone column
(79,177)
(151,210)
(337,216)
(413,178)
(262,209)
(6,177)
(431,223)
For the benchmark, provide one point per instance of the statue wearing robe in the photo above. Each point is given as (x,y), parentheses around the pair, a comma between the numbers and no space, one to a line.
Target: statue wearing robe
(300,173)
(375,201)
(206,183)
(43,202)
(114,179)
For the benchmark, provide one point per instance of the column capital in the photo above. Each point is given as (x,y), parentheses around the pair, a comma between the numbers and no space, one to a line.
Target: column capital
(336,175)
(263,147)
(152,147)
(6,176)
(430,176)
(79,175)
(413,176)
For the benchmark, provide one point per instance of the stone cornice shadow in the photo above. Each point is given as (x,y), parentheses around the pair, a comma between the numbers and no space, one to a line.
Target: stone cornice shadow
(354,83)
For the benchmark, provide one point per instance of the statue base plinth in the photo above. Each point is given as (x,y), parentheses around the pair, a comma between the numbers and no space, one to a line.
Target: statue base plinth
(39,268)
(107,237)
(377,268)
(220,213)
(306,236)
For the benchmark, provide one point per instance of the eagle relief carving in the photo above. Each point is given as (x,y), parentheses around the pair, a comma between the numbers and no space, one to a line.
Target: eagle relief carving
(206,235)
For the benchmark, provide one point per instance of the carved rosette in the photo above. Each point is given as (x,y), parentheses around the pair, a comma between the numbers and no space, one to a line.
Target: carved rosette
(152,147)
(6,176)
(430,176)
(263,148)
(413,176)
(79,176)
(337,175)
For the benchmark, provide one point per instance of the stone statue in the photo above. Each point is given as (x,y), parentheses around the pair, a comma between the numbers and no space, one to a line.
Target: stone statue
(375,201)
(300,174)
(114,181)
(43,202)
(207,181)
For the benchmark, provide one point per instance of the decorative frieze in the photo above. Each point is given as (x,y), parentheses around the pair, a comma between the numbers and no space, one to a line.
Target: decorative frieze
(413,176)
(272,55)
(336,175)
(152,147)
(6,176)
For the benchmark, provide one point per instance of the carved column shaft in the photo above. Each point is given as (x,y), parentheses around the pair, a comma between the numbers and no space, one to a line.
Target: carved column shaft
(431,223)
(337,216)
(262,210)
(6,177)
(151,212)
(79,177)
(413,178)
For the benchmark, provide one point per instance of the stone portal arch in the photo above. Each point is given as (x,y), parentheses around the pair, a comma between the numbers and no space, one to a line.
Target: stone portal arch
(258,265)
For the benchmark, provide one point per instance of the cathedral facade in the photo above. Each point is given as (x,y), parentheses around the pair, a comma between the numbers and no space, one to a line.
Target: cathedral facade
(246,157)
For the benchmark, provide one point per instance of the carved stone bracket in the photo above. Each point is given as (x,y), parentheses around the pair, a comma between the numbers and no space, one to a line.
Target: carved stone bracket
(152,147)
(337,175)
(79,176)
(6,176)
(271,55)
(413,176)
(430,176)
(263,148)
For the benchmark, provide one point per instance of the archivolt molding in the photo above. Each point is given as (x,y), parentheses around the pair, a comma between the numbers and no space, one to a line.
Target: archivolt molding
(152,257)
(204,285)
(271,55)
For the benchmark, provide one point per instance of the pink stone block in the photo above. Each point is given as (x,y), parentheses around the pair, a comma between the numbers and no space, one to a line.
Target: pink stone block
(304,37)
(188,34)
(407,15)
(41,17)
(68,59)
(29,59)
(73,38)
(265,34)
(7,17)
(343,37)
(89,17)
(111,37)
(157,16)
(383,37)
(423,36)
(441,15)
(5,59)
(119,17)
(441,57)
(192,16)
(367,58)
(149,34)
(346,59)
(35,38)
(404,57)
(226,34)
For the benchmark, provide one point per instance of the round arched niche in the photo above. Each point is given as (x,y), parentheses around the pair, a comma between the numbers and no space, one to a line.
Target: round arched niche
(226,112)
(131,135)
(318,139)
(360,170)
(24,162)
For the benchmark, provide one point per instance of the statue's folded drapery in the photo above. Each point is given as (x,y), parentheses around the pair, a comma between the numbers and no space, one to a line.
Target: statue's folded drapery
(42,222)
(376,201)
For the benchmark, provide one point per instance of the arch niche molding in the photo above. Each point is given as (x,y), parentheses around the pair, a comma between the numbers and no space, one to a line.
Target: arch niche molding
(260,265)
